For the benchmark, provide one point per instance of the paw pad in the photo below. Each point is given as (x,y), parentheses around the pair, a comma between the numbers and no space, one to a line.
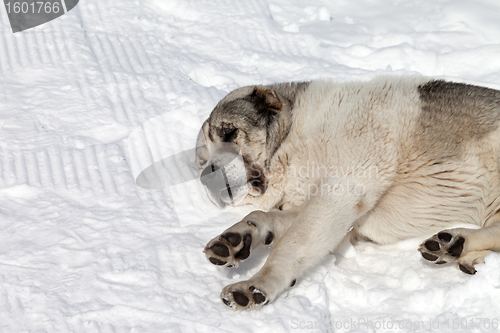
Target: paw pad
(442,248)
(221,250)
(258,296)
(240,298)
(445,237)
(466,269)
(228,249)
(432,245)
(429,256)
(237,298)
(232,238)
(245,251)
(217,262)
(269,238)
(456,249)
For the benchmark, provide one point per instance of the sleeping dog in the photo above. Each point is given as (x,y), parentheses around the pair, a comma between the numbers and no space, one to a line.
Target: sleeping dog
(384,160)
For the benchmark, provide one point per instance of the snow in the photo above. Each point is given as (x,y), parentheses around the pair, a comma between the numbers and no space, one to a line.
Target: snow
(84,249)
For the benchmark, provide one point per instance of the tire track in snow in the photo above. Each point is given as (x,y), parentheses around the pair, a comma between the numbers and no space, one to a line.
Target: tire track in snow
(56,167)
(43,161)
(20,168)
(111,85)
(100,169)
(107,179)
(110,66)
(94,174)
(4,54)
(32,169)
(34,49)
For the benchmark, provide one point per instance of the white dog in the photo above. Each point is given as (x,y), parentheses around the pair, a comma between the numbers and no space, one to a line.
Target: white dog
(388,159)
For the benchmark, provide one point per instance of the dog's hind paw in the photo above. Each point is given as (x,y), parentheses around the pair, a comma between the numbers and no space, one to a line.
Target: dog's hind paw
(444,247)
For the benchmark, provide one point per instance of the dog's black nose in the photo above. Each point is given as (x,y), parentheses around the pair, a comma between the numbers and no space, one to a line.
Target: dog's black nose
(208,174)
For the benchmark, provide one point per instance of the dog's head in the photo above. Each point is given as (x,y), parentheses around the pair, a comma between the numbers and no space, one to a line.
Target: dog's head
(237,142)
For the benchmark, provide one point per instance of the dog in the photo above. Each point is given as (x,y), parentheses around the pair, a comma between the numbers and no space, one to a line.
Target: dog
(382,161)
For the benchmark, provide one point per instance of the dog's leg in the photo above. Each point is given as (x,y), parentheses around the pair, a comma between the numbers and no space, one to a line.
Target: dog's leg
(319,227)
(466,247)
(254,230)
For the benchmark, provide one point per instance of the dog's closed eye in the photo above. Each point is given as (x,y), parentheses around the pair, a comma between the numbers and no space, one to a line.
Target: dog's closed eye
(228,134)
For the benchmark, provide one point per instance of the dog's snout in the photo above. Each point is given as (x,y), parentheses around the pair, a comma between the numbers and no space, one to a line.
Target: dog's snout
(208,174)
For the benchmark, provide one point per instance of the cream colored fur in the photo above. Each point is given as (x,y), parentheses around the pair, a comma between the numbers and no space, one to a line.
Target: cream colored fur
(354,160)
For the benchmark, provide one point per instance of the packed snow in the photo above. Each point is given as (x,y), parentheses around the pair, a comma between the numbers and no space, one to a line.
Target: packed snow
(91,99)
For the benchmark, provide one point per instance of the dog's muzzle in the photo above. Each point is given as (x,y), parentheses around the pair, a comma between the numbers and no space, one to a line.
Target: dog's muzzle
(225,176)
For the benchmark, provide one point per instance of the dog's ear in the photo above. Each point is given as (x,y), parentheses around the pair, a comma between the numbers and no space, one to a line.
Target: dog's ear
(202,154)
(266,99)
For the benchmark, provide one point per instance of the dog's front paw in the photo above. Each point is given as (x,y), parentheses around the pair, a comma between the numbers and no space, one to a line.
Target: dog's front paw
(446,246)
(228,249)
(244,295)
(235,244)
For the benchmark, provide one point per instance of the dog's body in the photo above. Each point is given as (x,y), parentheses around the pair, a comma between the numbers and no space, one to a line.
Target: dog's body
(389,159)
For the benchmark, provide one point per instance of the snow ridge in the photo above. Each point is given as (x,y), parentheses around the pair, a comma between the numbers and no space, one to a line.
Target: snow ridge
(84,249)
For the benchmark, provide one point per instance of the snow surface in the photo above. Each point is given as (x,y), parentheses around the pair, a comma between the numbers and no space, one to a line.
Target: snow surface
(84,249)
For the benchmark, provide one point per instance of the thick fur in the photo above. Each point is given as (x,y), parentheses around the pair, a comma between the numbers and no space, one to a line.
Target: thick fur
(384,160)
